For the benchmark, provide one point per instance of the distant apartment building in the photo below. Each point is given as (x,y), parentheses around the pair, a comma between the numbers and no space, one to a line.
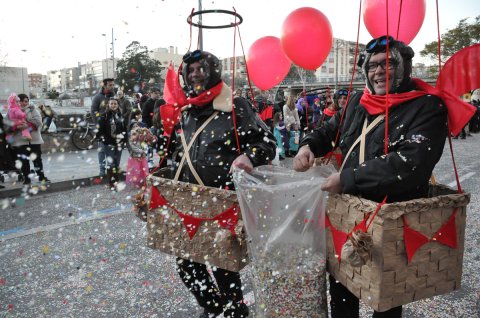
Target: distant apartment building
(38,84)
(13,79)
(237,64)
(338,65)
(165,55)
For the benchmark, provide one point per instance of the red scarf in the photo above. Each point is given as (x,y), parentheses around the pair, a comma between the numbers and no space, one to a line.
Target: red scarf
(459,112)
(175,99)
(330,113)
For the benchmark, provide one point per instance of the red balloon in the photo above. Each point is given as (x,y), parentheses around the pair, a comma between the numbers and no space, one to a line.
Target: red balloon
(307,37)
(267,64)
(410,12)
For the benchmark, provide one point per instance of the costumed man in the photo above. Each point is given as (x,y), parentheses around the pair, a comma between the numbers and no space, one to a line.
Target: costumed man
(213,154)
(417,121)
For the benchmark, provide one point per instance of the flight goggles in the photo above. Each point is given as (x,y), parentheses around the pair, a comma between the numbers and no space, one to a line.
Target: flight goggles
(379,44)
(191,57)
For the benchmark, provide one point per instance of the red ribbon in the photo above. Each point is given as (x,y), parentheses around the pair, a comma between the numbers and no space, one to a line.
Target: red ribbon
(227,219)
(459,112)
(175,99)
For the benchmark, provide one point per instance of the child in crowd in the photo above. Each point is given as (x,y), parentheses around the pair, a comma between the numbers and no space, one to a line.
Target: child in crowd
(17,116)
(136,118)
(280,133)
(137,165)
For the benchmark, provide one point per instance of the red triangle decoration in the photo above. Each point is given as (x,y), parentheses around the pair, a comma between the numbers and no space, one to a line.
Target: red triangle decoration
(228,219)
(339,238)
(191,223)
(413,240)
(447,234)
(156,199)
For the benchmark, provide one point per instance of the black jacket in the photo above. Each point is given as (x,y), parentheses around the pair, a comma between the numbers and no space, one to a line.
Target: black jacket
(215,148)
(417,133)
(104,133)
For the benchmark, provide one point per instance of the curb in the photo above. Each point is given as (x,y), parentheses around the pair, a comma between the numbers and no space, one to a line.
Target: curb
(55,186)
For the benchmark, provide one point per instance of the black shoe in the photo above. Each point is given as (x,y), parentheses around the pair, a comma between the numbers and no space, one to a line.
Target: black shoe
(2,187)
(44,180)
(27,181)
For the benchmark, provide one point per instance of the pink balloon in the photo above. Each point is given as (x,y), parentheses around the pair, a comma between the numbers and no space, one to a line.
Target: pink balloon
(266,62)
(307,37)
(410,12)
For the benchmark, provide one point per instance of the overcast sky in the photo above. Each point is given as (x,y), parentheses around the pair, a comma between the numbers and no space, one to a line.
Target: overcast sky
(61,33)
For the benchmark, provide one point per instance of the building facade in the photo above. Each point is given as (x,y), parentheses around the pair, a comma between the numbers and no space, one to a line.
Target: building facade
(13,79)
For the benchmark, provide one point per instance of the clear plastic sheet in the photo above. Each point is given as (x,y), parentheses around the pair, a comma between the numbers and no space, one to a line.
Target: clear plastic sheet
(283,212)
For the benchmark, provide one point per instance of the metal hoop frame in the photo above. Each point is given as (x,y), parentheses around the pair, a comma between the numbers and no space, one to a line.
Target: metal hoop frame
(202,26)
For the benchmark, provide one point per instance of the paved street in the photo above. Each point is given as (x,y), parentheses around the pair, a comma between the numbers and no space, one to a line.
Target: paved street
(82,253)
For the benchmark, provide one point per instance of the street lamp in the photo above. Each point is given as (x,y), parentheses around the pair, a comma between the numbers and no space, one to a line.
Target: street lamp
(106,51)
(23,80)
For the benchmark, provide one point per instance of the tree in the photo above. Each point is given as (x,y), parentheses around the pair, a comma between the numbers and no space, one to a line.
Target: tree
(296,73)
(452,41)
(52,94)
(136,71)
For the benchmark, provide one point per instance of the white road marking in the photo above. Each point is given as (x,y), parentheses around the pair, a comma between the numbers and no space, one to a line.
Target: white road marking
(84,217)
(462,178)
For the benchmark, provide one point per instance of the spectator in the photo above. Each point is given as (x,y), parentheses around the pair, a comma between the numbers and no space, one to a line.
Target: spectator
(18,117)
(29,149)
(149,106)
(98,108)
(292,123)
(125,107)
(48,115)
(7,155)
(112,134)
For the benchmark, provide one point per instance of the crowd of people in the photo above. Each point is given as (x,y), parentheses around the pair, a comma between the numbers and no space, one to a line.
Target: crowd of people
(304,127)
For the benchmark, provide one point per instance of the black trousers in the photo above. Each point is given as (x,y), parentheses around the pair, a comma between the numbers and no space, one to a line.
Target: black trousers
(344,304)
(23,154)
(212,298)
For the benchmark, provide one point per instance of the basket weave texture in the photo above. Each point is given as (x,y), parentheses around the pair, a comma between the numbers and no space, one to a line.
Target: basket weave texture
(212,244)
(387,279)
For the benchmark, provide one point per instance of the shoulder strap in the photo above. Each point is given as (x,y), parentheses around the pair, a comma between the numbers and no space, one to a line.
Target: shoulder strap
(186,150)
(366,129)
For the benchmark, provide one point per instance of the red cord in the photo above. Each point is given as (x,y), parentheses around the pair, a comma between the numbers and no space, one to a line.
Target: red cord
(438,35)
(234,116)
(246,69)
(399,16)
(337,137)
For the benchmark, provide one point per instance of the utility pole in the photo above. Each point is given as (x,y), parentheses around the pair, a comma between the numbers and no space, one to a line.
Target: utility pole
(336,64)
(200,30)
(23,79)
(106,52)
(113,54)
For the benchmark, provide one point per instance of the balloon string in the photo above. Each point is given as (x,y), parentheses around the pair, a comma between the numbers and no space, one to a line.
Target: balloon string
(246,69)
(439,40)
(399,16)
(191,30)
(385,142)
(352,77)
(234,115)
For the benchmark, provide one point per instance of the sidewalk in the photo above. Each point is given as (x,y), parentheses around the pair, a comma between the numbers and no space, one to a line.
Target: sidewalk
(65,170)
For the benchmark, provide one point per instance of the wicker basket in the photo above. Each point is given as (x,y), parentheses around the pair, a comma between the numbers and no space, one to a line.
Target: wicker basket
(212,243)
(387,279)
